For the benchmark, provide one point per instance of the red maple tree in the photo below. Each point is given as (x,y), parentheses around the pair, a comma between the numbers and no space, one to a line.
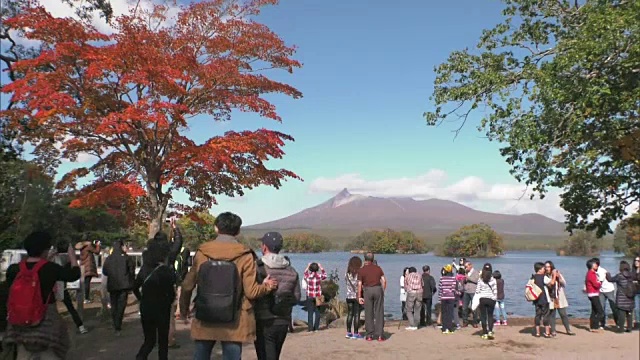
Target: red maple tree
(127,98)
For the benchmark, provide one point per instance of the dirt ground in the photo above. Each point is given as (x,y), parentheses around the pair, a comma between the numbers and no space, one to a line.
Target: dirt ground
(512,342)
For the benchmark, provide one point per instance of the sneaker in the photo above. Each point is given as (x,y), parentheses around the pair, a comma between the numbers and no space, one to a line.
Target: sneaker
(505,323)
(497,323)
(369,338)
(349,335)
(411,328)
(87,302)
(490,335)
(446,332)
(381,339)
(357,336)
(485,337)
(82,330)
(118,333)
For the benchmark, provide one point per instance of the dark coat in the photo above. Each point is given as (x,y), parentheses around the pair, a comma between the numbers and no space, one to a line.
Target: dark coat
(120,271)
(428,286)
(624,280)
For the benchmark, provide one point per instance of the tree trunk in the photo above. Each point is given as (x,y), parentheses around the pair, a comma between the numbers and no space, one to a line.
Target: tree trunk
(157,209)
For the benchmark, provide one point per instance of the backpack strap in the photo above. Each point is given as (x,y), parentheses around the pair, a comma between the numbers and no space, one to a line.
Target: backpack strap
(36,267)
(151,273)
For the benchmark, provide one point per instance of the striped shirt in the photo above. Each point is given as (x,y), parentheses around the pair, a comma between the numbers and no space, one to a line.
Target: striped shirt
(487,291)
(447,288)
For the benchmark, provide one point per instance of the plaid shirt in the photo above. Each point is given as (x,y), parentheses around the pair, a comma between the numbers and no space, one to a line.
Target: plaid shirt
(314,280)
(413,282)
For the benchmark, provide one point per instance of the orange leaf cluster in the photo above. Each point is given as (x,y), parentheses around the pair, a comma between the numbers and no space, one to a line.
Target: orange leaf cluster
(127,98)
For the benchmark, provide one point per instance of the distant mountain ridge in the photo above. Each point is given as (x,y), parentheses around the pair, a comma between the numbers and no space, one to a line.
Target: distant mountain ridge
(347,211)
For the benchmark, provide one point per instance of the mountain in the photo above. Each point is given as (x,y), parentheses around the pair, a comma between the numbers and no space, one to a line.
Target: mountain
(347,211)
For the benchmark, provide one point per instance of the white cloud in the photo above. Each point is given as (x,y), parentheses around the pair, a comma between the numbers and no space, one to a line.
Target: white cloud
(472,191)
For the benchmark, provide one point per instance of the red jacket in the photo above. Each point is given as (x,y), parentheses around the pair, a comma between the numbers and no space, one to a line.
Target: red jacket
(592,284)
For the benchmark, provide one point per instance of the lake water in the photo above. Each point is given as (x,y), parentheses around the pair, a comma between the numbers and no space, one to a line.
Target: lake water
(516,269)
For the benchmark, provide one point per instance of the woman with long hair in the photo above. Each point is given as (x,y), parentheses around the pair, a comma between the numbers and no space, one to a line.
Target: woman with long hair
(624,303)
(635,270)
(353,306)
(403,293)
(487,293)
(556,288)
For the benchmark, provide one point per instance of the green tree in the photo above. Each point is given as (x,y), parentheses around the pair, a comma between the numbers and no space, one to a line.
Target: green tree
(306,243)
(197,228)
(477,240)
(620,239)
(388,242)
(558,83)
(627,236)
(581,243)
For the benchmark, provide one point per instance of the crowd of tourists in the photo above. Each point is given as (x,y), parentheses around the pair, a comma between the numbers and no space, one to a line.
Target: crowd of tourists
(232,296)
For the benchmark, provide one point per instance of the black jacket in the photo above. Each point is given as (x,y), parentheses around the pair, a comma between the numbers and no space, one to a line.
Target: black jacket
(155,288)
(120,270)
(428,286)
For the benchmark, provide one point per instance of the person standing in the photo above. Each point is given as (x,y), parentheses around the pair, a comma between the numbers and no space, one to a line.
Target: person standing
(273,312)
(154,287)
(372,284)
(120,271)
(447,297)
(500,310)
(403,294)
(413,286)
(635,270)
(314,274)
(210,325)
(624,296)
(470,283)
(429,289)
(592,287)
(487,293)
(353,304)
(607,292)
(88,252)
(542,303)
(61,258)
(556,286)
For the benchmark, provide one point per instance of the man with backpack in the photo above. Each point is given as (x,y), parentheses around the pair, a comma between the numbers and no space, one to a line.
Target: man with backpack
(224,276)
(120,271)
(273,312)
(32,314)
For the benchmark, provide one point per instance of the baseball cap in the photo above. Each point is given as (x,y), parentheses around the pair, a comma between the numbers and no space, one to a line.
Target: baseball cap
(273,241)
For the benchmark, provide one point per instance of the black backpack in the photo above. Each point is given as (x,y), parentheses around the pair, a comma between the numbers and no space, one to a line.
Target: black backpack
(219,295)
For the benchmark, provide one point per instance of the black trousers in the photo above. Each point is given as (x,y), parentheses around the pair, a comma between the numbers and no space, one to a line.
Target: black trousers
(425,313)
(353,315)
(155,326)
(447,309)
(486,314)
(270,338)
(597,312)
(71,309)
(621,317)
(87,287)
(118,305)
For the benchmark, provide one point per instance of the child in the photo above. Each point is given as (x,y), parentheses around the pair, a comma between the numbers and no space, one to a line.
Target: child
(460,277)
(500,302)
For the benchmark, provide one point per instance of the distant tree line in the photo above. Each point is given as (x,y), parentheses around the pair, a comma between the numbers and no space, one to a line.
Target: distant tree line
(388,242)
(477,240)
(581,243)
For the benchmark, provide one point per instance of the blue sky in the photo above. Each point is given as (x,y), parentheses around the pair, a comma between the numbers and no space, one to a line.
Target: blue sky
(366,80)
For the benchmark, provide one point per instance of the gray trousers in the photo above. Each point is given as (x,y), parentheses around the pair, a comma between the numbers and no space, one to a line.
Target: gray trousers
(414,305)
(611,296)
(374,311)
(565,319)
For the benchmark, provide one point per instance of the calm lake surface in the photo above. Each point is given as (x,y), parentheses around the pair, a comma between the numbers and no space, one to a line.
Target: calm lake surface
(516,269)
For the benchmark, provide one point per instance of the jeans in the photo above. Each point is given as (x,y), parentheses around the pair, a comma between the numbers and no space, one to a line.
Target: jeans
(72,310)
(467,299)
(118,305)
(542,315)
(597,313)
(313,315)
(353,316)
(155,326)
(414,306)
(637,308)
(269,339)
(499,310)
(447,309)
(611,296)
(426,311)
(486,314)
(230,350)
(563,316)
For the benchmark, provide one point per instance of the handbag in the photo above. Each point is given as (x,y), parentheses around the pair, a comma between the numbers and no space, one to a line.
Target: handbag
(319,301)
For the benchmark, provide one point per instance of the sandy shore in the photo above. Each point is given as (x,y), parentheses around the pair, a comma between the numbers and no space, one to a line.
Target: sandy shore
(512,342)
